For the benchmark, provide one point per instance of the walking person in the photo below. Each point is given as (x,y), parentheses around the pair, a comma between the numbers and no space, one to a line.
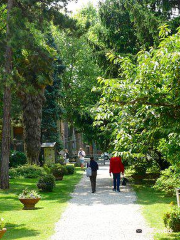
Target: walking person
(81,155)
(94,167)
(66,156)
(116,167)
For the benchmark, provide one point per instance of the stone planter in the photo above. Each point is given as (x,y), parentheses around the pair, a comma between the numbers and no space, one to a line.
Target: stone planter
(2,232)
(29,203)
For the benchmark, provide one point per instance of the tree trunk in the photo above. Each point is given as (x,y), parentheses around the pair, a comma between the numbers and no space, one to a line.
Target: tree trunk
(70,140)
(32,116)
(6,106)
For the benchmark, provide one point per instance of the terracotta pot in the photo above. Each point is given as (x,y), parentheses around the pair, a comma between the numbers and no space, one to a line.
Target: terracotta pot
(2,232)
(29,203)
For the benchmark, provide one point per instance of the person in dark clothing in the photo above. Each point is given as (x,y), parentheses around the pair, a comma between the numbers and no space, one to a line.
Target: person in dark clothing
(116,167)
(94,167)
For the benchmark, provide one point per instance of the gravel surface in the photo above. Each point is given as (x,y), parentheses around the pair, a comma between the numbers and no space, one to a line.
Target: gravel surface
(102,215)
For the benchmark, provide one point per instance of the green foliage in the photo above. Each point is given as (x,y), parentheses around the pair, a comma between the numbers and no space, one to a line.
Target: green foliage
(77,82)
(77,164)
(26,171)
(35,226)
(27,193)
(2,223)
(70,169)
(51,112)
(17,159)
(172,220)
(141,106)
(46,183)
(168,181)
(58,170)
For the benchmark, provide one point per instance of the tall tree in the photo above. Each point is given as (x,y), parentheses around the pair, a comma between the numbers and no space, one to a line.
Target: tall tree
(32,66)
(7,102)
(143,104)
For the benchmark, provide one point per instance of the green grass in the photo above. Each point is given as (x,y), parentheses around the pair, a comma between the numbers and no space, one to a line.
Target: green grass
(154,205)
(35,224)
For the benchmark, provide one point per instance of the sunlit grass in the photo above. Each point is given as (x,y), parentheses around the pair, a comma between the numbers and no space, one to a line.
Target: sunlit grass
(154,206)
(35,224)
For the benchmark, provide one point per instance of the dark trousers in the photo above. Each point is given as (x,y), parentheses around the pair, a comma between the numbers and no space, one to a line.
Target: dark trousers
(116,180)
(93,180)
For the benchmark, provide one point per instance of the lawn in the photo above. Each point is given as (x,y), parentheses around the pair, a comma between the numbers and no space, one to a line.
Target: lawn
(154,205)
(35,224)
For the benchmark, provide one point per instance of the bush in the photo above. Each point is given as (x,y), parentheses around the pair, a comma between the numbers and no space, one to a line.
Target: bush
(77,164)
(46,183)
(13,173)
(70,169)
(58,170)
(17,159)
(172,219)
(26,171)
(168,181)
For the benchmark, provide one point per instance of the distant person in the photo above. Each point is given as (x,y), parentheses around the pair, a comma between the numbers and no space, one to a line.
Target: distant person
(81,155)
(116,167)
(105,157)
(66,156)
(94,167)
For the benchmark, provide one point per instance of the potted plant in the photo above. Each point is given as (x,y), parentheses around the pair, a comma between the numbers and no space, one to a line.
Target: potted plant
(2,227)
(58,171)
(172,220)
(29,198)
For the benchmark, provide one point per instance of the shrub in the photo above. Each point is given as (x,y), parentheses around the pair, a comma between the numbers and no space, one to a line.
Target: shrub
(58,170)
(46,183)
(47,168)
(168,181)
(70,169)
(172,219)
(77,164)
(13,173)
(17,159)
(26,171)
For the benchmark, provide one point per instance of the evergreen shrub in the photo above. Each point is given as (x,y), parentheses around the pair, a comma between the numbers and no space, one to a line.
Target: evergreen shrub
(26,171)
(58,170)
(46,183)
(70,169)
(17,159)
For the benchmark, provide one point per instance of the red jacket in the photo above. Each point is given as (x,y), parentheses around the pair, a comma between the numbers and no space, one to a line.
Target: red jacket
(116,165)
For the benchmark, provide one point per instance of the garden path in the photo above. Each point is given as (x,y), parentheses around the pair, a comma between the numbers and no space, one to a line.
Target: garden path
(104,215)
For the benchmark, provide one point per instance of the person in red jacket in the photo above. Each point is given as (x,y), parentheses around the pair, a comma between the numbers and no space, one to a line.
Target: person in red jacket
(116,167)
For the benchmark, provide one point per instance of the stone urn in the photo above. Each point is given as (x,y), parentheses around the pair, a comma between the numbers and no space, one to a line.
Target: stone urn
(29,203)
(2,232)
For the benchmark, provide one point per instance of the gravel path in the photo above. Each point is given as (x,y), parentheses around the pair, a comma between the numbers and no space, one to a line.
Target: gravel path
(104,215)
